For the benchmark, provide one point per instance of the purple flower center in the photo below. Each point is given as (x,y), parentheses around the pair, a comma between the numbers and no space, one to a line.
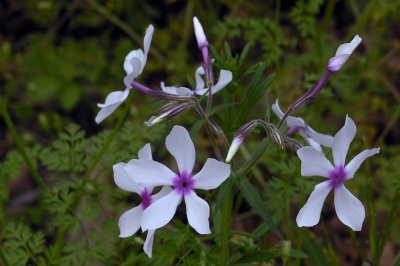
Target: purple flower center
(183,183)
(146,198)
(337,176)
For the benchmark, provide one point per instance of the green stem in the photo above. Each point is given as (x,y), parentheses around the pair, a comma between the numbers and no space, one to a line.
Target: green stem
(110,138)
(387,227)
(3,258)
(20,146)
(226,214)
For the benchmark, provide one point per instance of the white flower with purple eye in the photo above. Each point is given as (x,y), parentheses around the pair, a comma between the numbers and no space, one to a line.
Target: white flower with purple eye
(225,76)
(133,65)
(342,54)
(131,220)
(313,163)
(151,173)
(297,124)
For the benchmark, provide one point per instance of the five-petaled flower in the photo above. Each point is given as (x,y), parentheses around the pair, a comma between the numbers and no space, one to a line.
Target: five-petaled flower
(297,124)
(131,220)
(134,64)
(151,173)
(314,163)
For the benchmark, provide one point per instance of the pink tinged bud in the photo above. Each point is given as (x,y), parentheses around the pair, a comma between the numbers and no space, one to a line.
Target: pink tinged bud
(199,32)
(342,54)
(237,141)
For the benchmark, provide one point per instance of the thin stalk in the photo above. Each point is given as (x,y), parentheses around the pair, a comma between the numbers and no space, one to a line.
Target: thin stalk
(373,233)
(226,221)
(387,227)
(20,146)
(110,138)
(123,26)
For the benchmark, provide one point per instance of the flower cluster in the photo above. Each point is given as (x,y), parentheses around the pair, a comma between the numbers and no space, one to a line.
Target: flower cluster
(143,174)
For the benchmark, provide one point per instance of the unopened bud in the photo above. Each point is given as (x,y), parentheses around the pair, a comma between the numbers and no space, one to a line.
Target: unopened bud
(199,32)
(342,54)
(237,141)
(166,112)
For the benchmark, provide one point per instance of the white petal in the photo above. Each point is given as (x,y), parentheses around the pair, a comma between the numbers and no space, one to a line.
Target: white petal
(354,164)
(129,222)
(148,244)
(134,62)
(176,90)
(236,142)
(336,63)
(199,80)
(348,48)
(323,139)
(293,121)
(147,39)
(145,152)
(162,193)
(225,77)
(149,173)
(113,100)
(212,175)
(159,213)
(313,162)
(310,214)
(342,140)
(314,144)
(198,212)
(123,179)
(277,110)
(349,209)
(180,145)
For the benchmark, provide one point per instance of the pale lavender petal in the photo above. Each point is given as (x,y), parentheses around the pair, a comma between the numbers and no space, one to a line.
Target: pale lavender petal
(123,180)
(180,145)
(145,152)
(310,214)
(212,175)
(277,109)
(342,54)
(113,100)
(323,139)
(349,209)
(336,63)
(162,193)
(342,140)
(148,244)
(225,77)
(129,222)
(313,162)
(199,80)
(314,144)
(134,62)
(175,90)
(149,173)
(354,164)
(147,40)
(198,212)
(348,48)
(199,32)
(160,212)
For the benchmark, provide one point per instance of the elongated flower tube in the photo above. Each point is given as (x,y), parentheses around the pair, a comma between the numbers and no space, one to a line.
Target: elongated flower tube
(314,163)
(133,65)
(130,221)
(203,46)
(151,173)
(297,124)
(342,54)
(168,111)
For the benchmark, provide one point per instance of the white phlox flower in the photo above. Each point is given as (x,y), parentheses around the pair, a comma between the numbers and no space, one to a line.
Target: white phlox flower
(133,65)
(313,163)
(151,173)
(225,76)
(297,124)
(131,220)
(342,54)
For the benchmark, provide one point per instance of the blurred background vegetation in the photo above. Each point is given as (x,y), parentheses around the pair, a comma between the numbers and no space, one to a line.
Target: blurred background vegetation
(58,59)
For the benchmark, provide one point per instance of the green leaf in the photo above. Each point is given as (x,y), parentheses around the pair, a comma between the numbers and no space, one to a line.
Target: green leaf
(254,199)
(254,93)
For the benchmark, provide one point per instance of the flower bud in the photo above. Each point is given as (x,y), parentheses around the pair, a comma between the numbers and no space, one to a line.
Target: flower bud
(199,32)
(237,141)
(342,54)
